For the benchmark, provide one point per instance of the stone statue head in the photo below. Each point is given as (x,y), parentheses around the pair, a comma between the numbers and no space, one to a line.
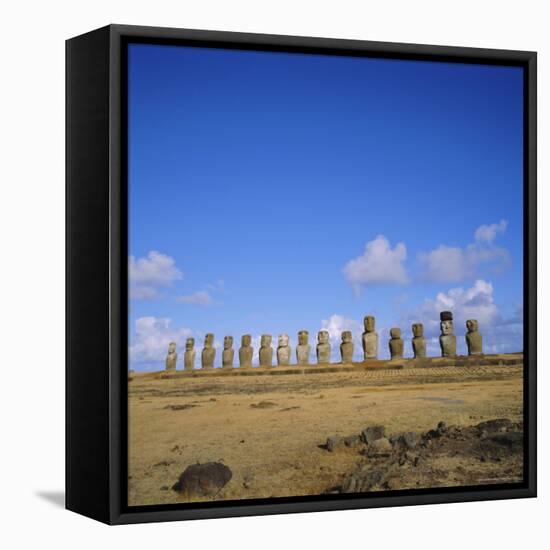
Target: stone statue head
(472,325)
(322,337)
(172,347)
(246,339)
(265,340)
(189,344)
(303,336)
(227,342)
(446,325)
(418,330)
(209,340)
(283,340)
(395,332)
(346,336)
(369,323)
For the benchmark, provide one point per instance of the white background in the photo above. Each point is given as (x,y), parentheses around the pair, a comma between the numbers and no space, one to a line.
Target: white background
(32,274)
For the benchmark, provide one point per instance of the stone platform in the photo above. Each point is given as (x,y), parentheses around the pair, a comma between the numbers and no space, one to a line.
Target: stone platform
(506,359)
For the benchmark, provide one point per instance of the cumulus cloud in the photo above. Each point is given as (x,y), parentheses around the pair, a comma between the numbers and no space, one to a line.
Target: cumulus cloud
(379,264)
(199,298)
(454,264)
(150,339)
(147,275)
(488,233)
(476,302)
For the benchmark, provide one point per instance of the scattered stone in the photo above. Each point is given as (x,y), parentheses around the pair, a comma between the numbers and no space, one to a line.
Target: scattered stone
(372,433)
(263,405)
(334,442)
(179,407)
(379,447)
(513,441)
(407,440)
(163,463)
(442,427)
(289,409)
(164,488)
(496,425)
(362,482)
(203,479)
(352,440)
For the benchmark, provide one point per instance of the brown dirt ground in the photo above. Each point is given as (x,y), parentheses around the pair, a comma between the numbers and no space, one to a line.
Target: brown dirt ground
(269,430)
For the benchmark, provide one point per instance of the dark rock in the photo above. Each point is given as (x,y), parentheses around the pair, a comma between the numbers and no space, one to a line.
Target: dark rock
(379,447)
(352,441)
(263,405)
(405,440)
(362,482)
(180,407)
(203,479)
(372,433)
(512,441)
(334,442)
(442,427)
(496,425)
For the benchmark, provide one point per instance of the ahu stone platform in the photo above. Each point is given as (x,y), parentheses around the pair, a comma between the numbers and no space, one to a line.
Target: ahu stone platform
(506,359)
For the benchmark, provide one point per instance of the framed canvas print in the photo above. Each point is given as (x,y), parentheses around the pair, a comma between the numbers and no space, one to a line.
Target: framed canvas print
(300,274)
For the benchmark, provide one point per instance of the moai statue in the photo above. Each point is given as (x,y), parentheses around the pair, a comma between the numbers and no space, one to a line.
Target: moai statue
(396,343)
(323,347)
(474,340)
(303,349)
(447,340)
(172,357)
(228,352)
(189,356)
(283,350)
(266,351)
(208,352)
(418,341)
(370,338)
(246,351)
(346,347)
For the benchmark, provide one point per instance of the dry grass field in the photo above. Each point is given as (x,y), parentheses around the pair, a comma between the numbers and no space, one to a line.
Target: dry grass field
(271,430)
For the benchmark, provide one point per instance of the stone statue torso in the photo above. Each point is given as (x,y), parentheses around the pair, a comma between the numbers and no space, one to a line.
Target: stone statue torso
(370,345)
(189,359)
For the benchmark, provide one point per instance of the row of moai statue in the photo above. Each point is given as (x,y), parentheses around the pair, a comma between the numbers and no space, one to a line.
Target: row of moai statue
(447,341)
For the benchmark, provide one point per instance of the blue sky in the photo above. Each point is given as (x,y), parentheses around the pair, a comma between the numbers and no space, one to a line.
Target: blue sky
(273,192)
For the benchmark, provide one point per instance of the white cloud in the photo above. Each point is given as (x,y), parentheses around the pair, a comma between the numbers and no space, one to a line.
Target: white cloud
(476,302)
(149,342)
(200,298)
(150,273)
(453,264)
(379,264)
(488,233)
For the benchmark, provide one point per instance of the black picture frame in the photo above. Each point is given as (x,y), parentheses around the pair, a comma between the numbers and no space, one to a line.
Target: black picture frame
(96,273)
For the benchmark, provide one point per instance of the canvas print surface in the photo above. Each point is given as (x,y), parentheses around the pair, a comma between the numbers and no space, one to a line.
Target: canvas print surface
(325,275)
